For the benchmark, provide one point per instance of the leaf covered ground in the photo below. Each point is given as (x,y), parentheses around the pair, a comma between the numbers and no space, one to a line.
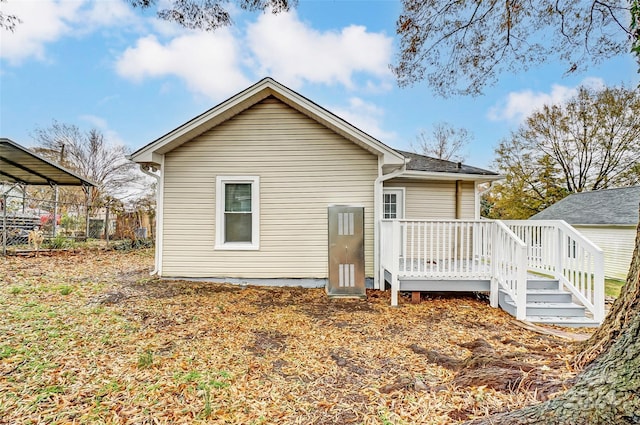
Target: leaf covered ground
(89,337)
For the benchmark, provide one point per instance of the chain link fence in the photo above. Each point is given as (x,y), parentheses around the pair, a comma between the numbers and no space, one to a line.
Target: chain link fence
(30,223)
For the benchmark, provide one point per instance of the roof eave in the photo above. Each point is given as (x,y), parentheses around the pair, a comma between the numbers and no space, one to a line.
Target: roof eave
(434,175)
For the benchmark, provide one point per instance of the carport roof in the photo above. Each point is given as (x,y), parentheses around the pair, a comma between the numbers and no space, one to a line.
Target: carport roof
(20,165)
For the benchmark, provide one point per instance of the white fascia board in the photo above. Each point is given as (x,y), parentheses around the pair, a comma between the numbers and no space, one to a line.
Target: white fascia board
(432,175)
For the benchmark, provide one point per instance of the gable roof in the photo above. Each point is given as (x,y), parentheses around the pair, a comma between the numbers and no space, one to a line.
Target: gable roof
(610,206)
(264,88)
(418,166)
(20,165)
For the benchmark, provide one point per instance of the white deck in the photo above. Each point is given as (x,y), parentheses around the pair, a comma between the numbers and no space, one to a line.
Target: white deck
(486,255)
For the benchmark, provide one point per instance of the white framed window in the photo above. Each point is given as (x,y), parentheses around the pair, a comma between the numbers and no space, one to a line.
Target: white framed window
(393,203)
(238,212)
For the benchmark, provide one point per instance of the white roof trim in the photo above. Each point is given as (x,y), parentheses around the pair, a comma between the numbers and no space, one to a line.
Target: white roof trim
(249,97)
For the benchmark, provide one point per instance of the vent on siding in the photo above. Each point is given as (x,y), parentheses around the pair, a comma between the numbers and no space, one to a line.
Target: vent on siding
(345,224)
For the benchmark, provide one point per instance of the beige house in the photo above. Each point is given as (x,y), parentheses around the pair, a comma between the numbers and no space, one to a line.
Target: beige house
(270,188)
(292,159)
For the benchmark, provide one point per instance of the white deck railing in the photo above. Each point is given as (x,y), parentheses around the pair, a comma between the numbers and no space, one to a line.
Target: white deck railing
(509,267)
(557,249)
(454,250)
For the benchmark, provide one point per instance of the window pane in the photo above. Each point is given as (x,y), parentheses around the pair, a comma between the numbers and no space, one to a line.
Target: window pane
(237,197)
(390,203)
(237,227)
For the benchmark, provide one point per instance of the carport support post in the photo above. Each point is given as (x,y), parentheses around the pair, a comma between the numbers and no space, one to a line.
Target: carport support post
(87,192)
(5,233)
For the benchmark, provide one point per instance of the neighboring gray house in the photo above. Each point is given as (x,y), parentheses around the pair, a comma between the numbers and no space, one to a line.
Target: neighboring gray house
(608,218)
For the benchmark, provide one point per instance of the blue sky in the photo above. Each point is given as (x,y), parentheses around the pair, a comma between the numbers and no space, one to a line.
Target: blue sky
(103,64)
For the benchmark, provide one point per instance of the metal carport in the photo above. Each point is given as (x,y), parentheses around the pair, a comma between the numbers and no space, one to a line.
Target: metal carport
(20,166)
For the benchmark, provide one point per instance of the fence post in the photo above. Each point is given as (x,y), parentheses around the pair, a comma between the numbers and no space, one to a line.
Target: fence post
(55,211)
(106,224)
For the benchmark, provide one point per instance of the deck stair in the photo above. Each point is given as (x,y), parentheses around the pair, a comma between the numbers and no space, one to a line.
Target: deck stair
(547,303)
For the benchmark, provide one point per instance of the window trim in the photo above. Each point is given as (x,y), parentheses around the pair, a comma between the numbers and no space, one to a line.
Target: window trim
(400,202)
(220,244)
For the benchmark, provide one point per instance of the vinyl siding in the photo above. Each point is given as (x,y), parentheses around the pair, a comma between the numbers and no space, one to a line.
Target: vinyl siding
(434,199)
(617,242)
(303,168)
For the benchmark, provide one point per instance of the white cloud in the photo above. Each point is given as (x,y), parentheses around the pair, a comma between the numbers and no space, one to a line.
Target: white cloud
(221,63)
(47,21)
(42,22)
(208,63)
(293,52)
(519,105)
(367,117)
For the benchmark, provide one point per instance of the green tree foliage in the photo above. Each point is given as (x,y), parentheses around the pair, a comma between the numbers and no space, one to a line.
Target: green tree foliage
(591,142)
(461,46)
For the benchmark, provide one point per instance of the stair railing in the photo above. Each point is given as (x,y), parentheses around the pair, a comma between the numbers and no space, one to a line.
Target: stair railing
(509,267)
(557,249)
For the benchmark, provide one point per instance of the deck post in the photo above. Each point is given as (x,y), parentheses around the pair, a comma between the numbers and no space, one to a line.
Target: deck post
(598,287)
(495,288)
(395,262)
(560,254)
(521,284)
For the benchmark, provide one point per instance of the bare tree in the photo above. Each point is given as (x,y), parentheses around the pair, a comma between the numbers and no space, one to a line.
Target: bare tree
(459,47)
(444,142)
(209,15)
(91,156)
(8,22)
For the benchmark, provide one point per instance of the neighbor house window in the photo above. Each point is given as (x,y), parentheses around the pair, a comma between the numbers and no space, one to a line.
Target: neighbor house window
(237,212)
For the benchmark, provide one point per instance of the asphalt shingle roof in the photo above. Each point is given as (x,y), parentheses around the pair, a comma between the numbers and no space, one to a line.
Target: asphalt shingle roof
(609,206)
(426,163)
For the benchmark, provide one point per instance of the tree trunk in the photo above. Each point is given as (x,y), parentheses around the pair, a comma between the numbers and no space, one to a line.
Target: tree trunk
(626,306)
(608,389)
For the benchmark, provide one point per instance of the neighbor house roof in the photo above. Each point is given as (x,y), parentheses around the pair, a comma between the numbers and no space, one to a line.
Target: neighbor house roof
(20,165)
(610,206)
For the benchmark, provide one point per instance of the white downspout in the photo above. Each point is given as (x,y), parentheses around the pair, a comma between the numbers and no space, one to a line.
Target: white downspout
(145,168)
(377,214)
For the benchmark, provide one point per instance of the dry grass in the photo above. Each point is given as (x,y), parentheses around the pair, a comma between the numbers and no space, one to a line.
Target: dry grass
(88,337)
